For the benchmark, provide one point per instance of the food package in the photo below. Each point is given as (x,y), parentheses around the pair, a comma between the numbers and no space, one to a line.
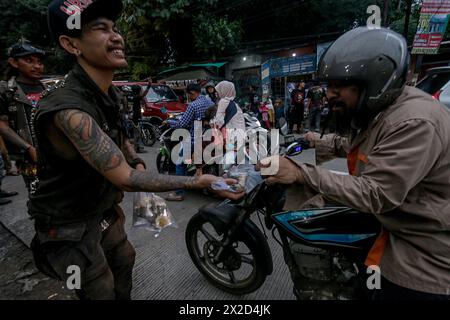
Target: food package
(151,212)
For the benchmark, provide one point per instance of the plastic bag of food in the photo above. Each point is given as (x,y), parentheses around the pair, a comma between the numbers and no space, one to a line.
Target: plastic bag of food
(221,185)
(151,212)
(247,176)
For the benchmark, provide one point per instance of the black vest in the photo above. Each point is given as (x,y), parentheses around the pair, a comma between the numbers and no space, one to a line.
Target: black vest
(71,190)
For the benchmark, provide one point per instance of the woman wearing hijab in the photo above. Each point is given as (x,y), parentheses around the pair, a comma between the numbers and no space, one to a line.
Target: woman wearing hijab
(229,114)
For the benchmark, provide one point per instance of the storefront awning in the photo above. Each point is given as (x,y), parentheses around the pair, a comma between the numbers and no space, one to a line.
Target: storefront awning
(201,65)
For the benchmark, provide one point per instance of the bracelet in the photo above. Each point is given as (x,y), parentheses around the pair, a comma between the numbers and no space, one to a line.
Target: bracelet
(133,163)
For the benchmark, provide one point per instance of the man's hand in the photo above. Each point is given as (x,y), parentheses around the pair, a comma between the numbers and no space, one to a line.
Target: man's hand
(206,180)
(140,167)
(288,171)
(311,137)
(33,154)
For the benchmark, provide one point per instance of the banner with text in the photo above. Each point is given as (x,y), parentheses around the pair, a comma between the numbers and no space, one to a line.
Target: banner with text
(433,21)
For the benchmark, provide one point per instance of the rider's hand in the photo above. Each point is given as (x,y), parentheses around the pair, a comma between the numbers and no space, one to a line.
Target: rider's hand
(140,167)
(311,137)
(32,153)
(280,170)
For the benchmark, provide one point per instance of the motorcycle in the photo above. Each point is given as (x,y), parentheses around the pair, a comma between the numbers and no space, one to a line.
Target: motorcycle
(143,130)
(323,248)
(164,163)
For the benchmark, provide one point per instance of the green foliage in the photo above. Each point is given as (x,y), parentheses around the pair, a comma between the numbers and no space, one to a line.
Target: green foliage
(215,35)
(165,33)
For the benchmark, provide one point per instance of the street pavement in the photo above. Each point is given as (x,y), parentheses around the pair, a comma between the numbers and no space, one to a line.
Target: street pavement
(163,270)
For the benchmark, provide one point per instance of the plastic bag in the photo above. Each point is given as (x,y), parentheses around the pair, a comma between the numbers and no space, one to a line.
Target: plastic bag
(151,212)
(252,177)
(221,185)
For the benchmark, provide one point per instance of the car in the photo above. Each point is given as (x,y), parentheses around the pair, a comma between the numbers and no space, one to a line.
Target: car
(161,102)
(437,83)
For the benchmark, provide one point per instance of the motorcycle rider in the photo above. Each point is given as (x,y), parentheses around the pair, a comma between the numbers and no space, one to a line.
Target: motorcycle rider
(86,161)
(18,100)
(194,112)
(398,159)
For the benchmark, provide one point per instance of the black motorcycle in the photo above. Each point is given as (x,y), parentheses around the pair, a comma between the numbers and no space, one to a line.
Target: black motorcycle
(324,248)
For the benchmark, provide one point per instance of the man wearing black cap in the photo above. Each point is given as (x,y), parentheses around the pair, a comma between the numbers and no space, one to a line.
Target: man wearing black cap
(18,98)
(86,161)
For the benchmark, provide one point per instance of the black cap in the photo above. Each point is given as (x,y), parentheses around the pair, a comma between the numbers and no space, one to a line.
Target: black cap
(194,87)
(60,14)
(24,48)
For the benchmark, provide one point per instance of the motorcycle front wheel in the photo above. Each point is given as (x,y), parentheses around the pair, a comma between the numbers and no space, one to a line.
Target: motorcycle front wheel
(149,134)
(239,272)
(164,165)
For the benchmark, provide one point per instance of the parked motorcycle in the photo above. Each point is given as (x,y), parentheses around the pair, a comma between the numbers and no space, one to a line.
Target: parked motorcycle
(143,130)
(324,248)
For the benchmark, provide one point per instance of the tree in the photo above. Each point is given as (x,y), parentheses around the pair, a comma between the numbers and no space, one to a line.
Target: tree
(168,32)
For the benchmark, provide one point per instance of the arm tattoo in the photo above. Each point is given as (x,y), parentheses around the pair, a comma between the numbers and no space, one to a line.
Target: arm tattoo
(103,154)
(92,143)
(146,181)
(10,135)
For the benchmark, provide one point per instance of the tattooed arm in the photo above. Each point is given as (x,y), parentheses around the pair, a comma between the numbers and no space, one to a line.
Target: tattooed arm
(105,156)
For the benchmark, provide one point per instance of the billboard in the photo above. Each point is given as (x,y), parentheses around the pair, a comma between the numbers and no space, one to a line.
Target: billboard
(433,21)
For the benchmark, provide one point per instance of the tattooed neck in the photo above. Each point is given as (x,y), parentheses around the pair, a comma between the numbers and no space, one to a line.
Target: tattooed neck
(148,182)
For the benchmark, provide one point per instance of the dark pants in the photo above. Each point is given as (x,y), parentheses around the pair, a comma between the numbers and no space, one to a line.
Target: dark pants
(106,260)
(314,119)
(296,116)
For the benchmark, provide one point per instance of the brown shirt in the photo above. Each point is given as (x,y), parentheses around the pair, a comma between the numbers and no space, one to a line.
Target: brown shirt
(403,177)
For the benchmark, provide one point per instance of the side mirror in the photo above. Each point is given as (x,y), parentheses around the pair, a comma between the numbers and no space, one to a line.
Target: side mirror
(294,149)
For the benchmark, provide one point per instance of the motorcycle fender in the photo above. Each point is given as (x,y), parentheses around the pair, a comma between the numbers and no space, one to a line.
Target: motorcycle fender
(261,244)
(220,217)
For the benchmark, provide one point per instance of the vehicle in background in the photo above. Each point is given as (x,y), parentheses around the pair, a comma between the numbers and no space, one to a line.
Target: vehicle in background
(437,83)
(161,102)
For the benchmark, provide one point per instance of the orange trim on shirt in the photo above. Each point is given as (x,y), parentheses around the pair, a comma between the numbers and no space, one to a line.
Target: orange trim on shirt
(377,251)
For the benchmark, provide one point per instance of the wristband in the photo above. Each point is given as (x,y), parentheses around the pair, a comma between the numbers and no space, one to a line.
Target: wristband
(133,163)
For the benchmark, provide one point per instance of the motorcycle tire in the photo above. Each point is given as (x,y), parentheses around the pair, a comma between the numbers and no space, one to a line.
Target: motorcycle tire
(149,134)
(164,165)
(212,272)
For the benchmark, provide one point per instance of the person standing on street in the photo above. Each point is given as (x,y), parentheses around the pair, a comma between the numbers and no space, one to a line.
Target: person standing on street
(316,99)
(18,99)
(86,161)
(297,111)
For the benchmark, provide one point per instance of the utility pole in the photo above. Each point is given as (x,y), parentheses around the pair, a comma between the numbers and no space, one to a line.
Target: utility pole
(385,13)
(408,5)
